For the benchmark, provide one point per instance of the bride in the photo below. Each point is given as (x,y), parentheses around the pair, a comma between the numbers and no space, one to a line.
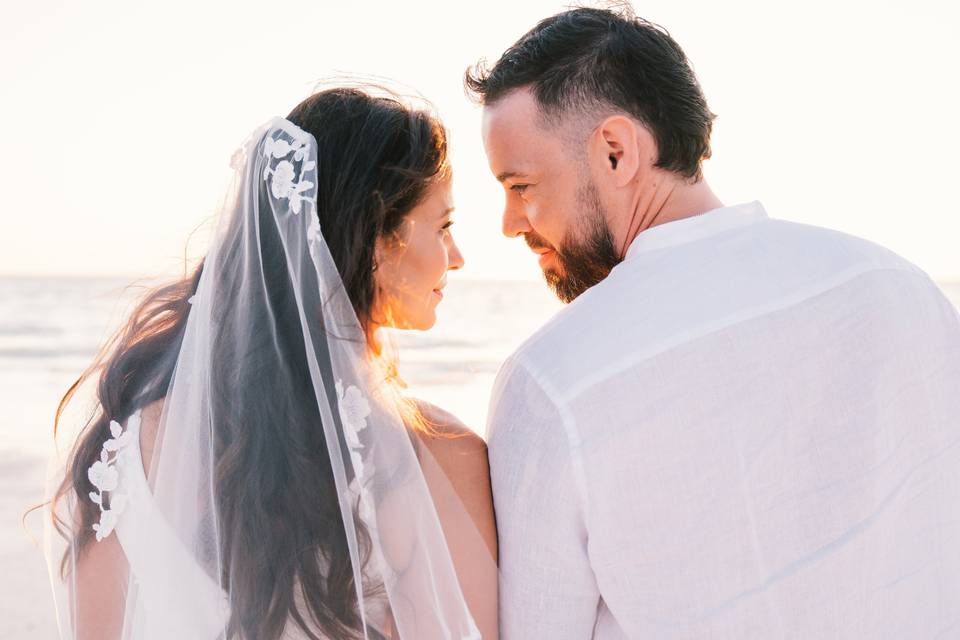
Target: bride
(251,469)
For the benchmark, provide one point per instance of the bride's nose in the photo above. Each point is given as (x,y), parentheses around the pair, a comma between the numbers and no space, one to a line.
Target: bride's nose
(454,257)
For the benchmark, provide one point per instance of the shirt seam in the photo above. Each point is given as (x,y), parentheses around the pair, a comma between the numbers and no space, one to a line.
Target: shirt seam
(569,428)
(847,275)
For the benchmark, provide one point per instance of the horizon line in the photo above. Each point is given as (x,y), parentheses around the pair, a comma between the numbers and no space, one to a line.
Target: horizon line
(168,276)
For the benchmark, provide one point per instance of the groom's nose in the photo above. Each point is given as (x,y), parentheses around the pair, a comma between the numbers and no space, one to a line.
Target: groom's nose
(514,222)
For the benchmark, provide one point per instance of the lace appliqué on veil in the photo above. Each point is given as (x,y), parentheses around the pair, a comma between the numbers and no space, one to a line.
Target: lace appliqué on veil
(104,474)
(285,183)
(354,411)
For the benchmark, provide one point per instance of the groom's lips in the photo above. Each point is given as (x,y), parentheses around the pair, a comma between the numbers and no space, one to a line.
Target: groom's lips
(539,246)
(544,254)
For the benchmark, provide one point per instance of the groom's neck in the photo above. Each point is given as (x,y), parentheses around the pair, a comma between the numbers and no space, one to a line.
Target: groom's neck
(666,199)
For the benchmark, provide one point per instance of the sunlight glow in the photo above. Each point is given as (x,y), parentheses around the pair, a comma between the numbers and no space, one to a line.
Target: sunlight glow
(119,118)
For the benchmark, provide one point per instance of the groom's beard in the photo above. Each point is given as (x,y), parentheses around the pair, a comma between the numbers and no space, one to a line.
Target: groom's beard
(584,261)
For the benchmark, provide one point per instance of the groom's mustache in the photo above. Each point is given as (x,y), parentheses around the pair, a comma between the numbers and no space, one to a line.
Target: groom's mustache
(535,241)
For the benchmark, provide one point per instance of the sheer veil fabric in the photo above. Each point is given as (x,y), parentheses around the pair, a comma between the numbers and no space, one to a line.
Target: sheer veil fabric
(159,528)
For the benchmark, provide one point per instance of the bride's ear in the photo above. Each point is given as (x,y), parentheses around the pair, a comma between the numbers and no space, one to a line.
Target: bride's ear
(387,250)
(379,255)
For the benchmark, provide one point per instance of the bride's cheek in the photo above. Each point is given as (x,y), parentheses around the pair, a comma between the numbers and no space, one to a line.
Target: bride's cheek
(443,257)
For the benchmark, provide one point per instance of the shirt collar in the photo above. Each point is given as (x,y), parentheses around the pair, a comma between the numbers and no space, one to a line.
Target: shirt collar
(696,227)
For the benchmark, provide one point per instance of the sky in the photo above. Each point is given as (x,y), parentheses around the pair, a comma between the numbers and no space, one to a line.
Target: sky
(118,118)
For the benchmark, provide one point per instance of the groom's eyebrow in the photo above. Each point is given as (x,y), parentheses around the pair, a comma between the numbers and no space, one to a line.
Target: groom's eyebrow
(506,175)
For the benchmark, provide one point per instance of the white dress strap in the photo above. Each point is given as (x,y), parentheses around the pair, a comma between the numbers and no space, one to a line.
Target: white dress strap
(159,561)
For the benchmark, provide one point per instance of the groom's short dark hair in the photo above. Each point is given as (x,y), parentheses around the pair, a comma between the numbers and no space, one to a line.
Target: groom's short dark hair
(587,59)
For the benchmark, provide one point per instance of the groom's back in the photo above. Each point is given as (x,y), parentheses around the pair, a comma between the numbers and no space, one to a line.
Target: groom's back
(760,424)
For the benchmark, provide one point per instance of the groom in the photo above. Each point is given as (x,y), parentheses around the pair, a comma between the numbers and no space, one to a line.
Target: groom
(739,427)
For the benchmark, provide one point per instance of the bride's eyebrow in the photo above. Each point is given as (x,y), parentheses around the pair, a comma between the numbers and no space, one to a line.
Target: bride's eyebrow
(446,212)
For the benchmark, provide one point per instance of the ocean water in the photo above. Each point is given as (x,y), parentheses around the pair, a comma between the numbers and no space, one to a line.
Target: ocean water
(51,328)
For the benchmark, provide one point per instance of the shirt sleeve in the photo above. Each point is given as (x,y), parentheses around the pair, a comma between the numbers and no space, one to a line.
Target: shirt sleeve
(547,587)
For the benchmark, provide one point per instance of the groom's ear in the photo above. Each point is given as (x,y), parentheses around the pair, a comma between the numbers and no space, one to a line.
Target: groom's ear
(623,148)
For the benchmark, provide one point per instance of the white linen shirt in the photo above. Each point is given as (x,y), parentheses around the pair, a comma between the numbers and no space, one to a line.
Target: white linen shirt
(750,429)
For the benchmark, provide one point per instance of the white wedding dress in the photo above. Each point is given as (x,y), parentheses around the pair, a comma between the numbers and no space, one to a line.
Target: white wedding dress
(157,557)
(159,560)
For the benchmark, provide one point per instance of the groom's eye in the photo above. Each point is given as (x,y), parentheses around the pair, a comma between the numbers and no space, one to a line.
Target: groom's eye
(519,188)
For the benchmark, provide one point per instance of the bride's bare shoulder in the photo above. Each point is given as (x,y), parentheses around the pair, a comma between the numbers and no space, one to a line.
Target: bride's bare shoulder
(462,457)
(449,440)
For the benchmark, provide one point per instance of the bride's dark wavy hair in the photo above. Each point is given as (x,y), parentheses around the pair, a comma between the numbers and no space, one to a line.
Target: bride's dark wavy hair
(284,551)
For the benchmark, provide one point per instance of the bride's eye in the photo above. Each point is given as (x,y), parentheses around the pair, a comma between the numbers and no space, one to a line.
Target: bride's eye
(445,228)
(519,188)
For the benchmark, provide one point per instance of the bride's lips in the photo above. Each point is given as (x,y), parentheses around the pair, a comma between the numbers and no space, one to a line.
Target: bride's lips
(439,291)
